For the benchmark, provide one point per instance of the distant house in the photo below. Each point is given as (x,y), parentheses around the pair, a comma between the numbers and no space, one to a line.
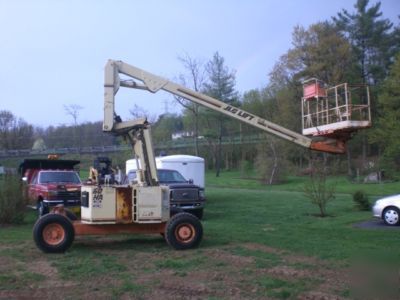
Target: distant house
(181,135)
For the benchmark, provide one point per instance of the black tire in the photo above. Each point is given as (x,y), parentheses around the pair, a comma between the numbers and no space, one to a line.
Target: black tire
(183,231)
(391,216)
(53,233)
(42,209)
(198,213)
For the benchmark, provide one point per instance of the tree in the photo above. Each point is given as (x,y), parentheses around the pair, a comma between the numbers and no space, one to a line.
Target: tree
(269,160)
(139,112)
(374,44)
(73,111)
(322,52)
(91,135)
(166,125)
(194,79)
(372,39)
(220,85)
(386,132)
(15,133)
(317,189)
(319,51)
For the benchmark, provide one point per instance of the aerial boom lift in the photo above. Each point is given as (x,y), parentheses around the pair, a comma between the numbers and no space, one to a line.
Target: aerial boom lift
(144,206)
(154,83)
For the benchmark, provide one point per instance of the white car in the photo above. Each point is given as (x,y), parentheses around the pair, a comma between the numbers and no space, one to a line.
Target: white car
(388,209)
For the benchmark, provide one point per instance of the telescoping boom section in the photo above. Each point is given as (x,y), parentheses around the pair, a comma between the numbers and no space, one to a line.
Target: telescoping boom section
(146,81)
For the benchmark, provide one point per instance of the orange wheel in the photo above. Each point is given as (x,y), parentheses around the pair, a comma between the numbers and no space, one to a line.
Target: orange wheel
(53,234)
(185,233)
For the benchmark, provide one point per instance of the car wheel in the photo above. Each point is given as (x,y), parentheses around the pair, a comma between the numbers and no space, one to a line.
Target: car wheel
(183,231)
(53,233)
(391,216)
(42,209)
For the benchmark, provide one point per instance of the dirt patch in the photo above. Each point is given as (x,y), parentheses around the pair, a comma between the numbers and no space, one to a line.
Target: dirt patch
(194,274)
(6,264)
(319,296)
(222,255)
(264,248)
(172,289)
(44,268)
(289,272)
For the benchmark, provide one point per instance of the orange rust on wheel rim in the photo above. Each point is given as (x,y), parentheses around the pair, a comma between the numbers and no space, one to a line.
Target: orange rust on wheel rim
(185,233)
(53,234)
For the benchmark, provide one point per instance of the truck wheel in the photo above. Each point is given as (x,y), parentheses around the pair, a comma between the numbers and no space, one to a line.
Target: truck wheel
(183,231)
(53,233)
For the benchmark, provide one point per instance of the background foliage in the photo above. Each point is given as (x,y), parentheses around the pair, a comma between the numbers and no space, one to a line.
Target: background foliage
(357,46)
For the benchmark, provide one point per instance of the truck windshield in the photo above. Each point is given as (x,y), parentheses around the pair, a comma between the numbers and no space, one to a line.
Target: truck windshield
(167,176)
(59,177)
(164,176)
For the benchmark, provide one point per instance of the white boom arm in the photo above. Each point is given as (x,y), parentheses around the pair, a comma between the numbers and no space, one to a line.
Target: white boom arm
(154,83)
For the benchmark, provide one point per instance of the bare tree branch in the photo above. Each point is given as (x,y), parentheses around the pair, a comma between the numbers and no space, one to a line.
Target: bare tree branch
(73,111)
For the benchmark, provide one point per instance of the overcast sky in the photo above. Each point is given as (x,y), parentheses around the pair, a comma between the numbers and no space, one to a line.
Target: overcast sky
(52,53)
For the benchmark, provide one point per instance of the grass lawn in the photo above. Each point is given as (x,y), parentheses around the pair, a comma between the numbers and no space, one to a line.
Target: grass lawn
(296,183)
(259,242)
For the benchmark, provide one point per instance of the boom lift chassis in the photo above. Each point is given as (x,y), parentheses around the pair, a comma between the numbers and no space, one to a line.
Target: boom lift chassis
(144,207)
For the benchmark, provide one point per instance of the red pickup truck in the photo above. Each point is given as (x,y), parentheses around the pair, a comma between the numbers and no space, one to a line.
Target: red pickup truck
(51,182)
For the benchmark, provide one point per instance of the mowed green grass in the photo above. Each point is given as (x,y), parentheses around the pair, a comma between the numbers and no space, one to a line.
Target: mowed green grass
(281,216)
(296,183)
(287,220)
(278,217)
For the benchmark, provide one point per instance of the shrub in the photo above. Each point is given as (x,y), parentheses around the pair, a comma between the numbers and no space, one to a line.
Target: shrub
(246,168)
(361,201)
(317,189)
(270,164)
(12,203)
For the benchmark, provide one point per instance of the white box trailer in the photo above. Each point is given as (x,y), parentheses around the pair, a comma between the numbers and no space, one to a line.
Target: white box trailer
(191,167)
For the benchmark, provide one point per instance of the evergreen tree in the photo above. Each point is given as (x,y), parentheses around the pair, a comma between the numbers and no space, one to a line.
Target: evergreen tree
(220,85)
(386,132)
(374,45)
(372,38)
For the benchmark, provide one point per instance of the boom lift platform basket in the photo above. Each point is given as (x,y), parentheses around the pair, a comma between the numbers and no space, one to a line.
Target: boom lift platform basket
(334,112)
